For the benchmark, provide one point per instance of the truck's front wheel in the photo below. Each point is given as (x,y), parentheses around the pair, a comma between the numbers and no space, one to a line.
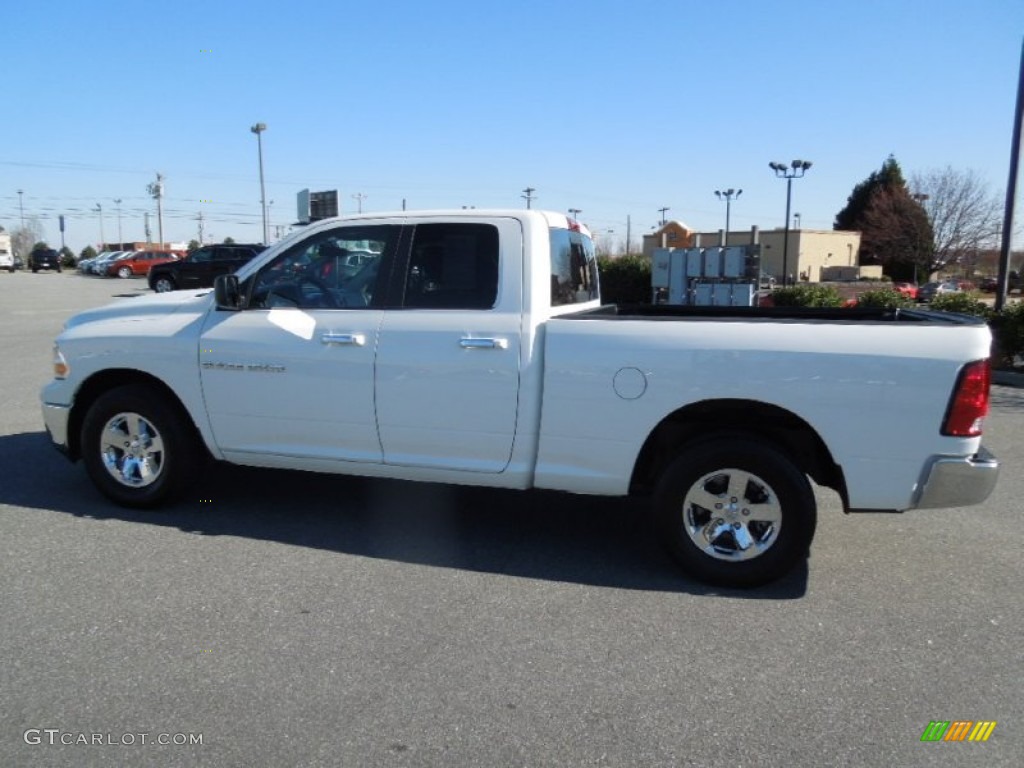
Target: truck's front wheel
(735,512)
(137,448)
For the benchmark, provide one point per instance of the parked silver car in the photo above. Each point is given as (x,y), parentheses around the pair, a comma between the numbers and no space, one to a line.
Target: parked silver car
(929,291)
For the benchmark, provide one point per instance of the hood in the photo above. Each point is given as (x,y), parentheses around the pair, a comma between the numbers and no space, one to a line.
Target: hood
(145,306)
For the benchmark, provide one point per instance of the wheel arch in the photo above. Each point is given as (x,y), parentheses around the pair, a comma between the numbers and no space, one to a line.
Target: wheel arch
(103,381)
(749,418)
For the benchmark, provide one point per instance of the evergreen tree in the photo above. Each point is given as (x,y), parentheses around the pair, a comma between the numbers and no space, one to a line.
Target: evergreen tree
(889,177)
(895,229)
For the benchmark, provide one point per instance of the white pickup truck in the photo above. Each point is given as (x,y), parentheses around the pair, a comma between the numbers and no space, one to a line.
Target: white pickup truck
(472,347)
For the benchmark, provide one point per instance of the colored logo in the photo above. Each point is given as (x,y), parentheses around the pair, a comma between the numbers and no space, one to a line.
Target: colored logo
(958,730)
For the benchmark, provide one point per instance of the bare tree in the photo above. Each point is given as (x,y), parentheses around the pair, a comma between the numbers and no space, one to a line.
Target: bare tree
(964,214)
(23,238)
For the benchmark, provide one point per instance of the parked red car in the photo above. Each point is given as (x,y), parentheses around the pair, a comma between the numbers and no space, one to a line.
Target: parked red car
(909,290)
(139,263)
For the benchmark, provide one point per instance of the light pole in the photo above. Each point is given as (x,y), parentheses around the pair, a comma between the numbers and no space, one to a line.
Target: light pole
(794,170)
(258,129)
(21,207)
(729,195)
(575,212)
(796,220)
(120,239)
(103,239)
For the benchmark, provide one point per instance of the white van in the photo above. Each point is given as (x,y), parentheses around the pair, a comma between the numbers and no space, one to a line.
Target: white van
(6,252)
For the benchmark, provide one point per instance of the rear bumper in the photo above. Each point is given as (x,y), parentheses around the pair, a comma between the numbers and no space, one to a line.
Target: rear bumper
(958,481)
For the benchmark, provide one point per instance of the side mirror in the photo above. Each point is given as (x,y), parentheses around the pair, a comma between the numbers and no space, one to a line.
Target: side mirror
(227,294)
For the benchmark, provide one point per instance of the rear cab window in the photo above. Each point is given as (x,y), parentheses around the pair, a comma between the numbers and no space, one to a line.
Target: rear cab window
(574,277)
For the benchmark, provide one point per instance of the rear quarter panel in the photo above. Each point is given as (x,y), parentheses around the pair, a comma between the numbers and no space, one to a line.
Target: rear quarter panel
(876,393)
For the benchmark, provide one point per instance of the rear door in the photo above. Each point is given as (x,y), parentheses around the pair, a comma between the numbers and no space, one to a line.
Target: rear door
(447,382)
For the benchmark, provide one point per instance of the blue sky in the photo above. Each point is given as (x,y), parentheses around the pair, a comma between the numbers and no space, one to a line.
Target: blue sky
(615,108)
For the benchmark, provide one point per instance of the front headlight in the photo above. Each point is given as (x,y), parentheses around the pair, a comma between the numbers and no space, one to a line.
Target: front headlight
(61,369)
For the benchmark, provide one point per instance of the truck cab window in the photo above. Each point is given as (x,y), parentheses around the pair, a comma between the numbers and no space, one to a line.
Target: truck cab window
(334,269)
(452,266)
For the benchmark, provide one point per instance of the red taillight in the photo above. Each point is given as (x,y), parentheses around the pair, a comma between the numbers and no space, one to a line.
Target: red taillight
(969,404)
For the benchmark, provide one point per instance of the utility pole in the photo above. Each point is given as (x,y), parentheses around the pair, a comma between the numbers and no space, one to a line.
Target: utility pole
(21,207)
(359,197)
(103,239)
(149,230)
(156,189)
(529,197)
(629,232)
(120,238)
(662,212)
(200,227)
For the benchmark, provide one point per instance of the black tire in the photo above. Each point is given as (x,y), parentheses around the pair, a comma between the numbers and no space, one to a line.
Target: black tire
(159,454)
(164,283)
(746,535)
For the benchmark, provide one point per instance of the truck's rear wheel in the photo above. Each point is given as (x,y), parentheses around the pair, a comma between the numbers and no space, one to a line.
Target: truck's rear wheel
(137,448)
(735,512)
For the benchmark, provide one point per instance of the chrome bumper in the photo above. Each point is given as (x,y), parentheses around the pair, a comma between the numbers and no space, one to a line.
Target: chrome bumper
(958,481)
(56,417)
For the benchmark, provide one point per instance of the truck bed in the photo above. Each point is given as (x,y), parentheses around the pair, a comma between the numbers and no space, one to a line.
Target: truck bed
(770,314)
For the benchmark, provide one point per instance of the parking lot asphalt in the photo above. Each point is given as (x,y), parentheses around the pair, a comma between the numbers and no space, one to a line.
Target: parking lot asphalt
(293,619)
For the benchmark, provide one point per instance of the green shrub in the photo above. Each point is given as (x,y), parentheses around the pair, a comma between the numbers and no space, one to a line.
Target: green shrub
(965,303)
(807,295)
(1007,334)
(883,298)
(625,280)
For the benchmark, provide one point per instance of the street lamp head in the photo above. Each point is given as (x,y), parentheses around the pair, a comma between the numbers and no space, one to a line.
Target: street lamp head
(259,128)
(739,192)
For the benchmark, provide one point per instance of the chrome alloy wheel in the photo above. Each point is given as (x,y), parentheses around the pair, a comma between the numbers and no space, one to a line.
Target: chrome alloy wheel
(732,514)
(163,285)
(132,450)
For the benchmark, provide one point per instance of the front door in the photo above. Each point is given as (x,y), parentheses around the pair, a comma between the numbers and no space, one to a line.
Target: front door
(291,374)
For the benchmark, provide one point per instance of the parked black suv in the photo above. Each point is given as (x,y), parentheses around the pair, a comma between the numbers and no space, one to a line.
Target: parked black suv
(201,267)
(44,258)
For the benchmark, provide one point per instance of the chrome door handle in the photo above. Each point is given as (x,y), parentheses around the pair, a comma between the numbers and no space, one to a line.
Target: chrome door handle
(484,343)
(351,339)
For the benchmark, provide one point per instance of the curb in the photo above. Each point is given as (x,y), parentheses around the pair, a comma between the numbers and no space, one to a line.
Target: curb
(1008,378)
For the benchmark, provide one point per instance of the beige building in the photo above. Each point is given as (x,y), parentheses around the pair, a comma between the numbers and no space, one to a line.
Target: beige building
(672,234)
(814,254)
